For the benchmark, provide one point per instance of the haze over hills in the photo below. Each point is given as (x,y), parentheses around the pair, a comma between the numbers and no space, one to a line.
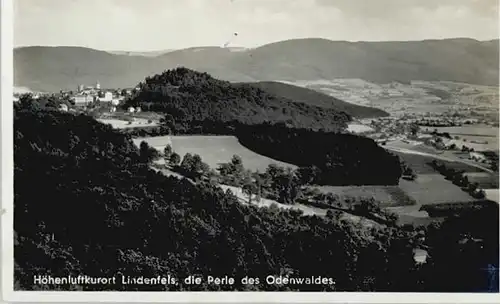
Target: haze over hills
(460,60)
(145,54)
(162,52)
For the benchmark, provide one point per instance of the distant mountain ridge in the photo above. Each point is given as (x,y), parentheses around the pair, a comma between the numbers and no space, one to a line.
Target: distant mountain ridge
(460,60)
(145,54)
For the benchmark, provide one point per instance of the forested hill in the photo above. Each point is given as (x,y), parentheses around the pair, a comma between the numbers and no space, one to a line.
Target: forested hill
(193,96)
(314,98)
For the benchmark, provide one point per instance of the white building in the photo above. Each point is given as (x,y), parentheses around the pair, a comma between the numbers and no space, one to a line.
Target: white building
(138,109)
(98,86)
(88,91)
(63,107)
(108,97)
(83,100)
(420,256)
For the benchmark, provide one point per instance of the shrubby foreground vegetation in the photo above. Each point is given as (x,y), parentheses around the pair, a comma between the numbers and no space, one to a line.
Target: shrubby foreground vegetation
(86,202)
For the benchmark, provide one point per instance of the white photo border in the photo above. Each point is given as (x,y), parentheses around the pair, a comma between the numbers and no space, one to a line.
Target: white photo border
(7,247)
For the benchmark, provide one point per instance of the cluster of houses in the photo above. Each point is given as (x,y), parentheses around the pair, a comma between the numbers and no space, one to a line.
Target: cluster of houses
(85,96)
(427,120)
(88,95)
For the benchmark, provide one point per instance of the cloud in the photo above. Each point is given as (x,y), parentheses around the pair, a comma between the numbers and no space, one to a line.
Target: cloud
(164,24)
(394,8)
(420,19)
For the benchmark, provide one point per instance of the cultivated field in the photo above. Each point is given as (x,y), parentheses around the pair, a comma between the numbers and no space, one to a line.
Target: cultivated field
(479,137)
(399,98)
(213,150)
(484,179)
(407,198)
(420,163)
(433,189)
(412,215)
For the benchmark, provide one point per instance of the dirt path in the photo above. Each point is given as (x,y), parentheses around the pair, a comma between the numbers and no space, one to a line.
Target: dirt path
(267,202)
(262,202)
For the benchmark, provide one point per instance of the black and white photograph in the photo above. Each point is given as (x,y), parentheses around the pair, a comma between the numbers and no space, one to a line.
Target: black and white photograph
(285,146)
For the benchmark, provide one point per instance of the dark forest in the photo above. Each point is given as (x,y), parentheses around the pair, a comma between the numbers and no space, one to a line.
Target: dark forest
(86,203)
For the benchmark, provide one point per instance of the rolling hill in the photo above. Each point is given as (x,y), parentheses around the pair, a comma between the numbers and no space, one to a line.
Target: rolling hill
(187,95)
(315,98)
(460,60)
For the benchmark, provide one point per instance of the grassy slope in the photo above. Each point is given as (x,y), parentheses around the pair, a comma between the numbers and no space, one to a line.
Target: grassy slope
(213,150)
(311,97)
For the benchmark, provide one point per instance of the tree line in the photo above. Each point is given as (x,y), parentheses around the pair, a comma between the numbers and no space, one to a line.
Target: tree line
(459,178)
(361,160)
(340,159)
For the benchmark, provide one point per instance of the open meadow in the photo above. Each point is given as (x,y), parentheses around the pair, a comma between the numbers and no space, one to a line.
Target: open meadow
(426,189)
(493,195)
(485,180)
(407,198)
(434,189)
(421,163)
(479,137)
(412,215)
(414,146)
(213,150)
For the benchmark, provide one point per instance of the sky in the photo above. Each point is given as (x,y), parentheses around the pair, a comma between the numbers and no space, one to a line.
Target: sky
(147,25)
